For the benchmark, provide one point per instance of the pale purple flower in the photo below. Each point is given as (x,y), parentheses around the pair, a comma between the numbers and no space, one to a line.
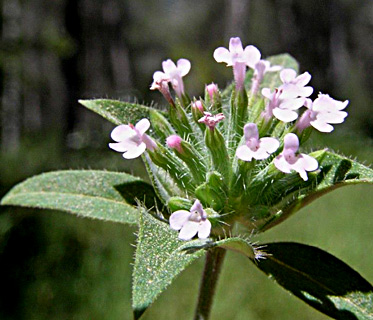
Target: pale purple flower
(288,160)
(321,113)
(174,142)
(175,73)
(238,58)
(295,85)
(282,105)
(210,120)
(132,140)
(254,147)
(191,222)
(289,97)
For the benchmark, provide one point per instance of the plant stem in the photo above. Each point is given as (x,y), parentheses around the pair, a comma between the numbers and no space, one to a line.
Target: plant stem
(211,271)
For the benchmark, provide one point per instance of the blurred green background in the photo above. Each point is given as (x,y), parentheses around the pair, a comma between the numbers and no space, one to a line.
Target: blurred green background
(52,53)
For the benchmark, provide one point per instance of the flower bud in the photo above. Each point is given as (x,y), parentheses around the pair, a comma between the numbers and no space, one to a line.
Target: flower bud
(174,167)
(178,203)
(190,156)
(212,96)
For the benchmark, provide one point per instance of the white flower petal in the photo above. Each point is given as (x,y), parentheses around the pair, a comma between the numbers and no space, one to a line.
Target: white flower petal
(287,75)
(183,65)
(244,153)
(322,126)
(121,132)
(143,125)
(308,163)
(169,67)
(285,115)
(223,55)
(281,164)
(303,79)
(204,229)
(270,145)
(118,146)
(189,230)
(135,152)
(178,219)
(251,56)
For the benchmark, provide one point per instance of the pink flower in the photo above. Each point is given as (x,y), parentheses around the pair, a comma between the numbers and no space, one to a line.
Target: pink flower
(198,105)
(321,113)
(160,82)
(238,58)
(191,222)
(254,147)
(212,89)
(288,160)
(174,142)
(132,140)
(210,120)
(173,73)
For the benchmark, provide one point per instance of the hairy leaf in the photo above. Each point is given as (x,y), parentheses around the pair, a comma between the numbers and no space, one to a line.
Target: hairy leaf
(90,193)
(118,112)
(319,279)
(159,259)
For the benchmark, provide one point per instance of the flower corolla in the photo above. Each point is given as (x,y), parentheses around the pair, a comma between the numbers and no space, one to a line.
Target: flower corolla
(321,113)
(238,58)
(254,147)
(172,73)
(191,222)
(132,140)
(211,120)
(288,160)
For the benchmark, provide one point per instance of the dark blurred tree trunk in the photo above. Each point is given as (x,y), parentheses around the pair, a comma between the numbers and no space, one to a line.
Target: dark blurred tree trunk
(11,95)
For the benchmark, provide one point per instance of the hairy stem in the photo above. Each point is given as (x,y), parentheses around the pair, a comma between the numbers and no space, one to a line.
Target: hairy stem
(211,271)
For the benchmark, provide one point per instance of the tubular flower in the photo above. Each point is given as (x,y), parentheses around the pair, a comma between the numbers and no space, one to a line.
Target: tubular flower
(132,140)
(210,120)
(288,160)
(191,222)
(322,112)
(238,58)
(254,147)
(175,73)
(260,69)
(295,85)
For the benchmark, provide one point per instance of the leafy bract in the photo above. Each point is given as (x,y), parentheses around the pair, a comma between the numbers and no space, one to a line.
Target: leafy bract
(319,279)
(159,259)
(92,194)
(289,194)
(117,112)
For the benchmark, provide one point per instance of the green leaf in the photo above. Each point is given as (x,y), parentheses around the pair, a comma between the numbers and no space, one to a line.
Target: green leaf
(159,259)
(289,194)
(319,279)
(89,193)
(118,112)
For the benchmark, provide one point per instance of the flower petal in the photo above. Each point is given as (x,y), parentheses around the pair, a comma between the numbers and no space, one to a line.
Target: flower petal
(183,65)
(270,145)
(223,55)
(121,132)
(291,142)
(143,125)
(244,153)
(285,115)
(204,229)
(235,46)
(189,230)
(251,56)
(135,151)
(169,67)
(287,75)
(119,146)
(251,131)
(281,164)
(178,219)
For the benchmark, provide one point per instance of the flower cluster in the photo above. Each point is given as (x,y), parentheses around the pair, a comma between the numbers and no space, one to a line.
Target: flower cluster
(224,152)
